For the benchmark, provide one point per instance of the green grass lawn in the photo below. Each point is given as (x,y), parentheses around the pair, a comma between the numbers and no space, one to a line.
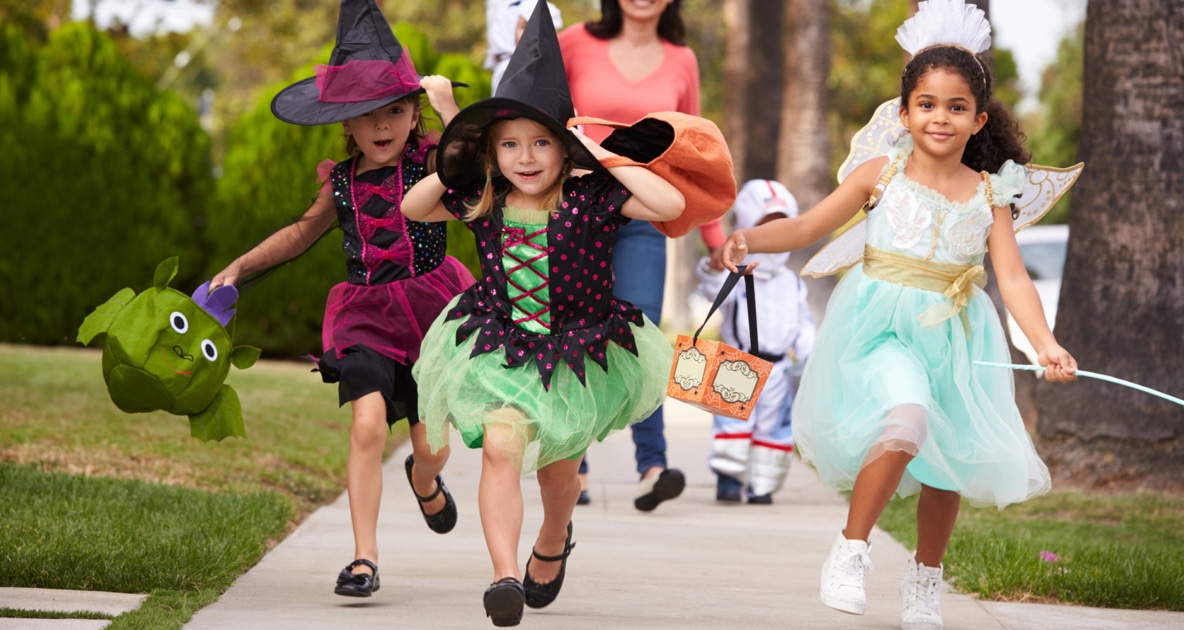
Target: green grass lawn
(1111,551)
(97,499)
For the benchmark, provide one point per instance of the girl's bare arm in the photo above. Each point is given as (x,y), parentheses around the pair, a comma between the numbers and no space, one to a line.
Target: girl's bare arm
(440,97)
(285,244)
(794,233)
(1021,299)
(424,201)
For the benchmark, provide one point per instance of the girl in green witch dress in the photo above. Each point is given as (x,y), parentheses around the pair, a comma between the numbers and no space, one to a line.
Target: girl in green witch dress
(538,359)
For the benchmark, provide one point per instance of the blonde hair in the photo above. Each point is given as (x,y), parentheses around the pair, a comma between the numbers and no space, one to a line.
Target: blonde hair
(418,132)
(484,204)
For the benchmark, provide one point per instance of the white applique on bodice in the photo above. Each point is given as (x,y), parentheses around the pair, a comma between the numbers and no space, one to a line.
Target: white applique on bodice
(918,221)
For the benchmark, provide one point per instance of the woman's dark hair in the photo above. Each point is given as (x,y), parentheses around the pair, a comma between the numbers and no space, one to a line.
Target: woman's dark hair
(670,26)
(1001,139)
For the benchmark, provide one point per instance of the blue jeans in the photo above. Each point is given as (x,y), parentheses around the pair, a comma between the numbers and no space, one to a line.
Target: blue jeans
(639,268)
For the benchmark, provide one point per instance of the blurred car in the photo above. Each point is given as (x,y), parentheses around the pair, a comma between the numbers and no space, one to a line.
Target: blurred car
(1043,249)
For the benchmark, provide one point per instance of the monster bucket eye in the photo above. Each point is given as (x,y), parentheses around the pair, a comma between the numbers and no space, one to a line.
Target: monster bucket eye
(178,322)
(209,350)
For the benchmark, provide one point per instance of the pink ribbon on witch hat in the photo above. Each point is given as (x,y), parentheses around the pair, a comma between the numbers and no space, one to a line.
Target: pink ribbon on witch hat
(366,80)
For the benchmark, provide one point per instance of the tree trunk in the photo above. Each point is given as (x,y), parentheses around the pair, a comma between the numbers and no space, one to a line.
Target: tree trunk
(804,146)
(803,163)
(754,71)
(763,93)
(1123,288)
(736,18)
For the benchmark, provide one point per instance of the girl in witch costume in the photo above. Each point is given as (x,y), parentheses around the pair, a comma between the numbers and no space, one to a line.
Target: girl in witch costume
(399,278)
(891,401)
(538,359)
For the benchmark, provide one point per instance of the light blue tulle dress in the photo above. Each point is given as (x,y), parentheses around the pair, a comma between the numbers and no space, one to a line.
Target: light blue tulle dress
(893,365)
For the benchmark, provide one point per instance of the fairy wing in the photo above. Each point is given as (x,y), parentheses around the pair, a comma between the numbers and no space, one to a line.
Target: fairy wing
(876,138)
(1042,188)
(842,252)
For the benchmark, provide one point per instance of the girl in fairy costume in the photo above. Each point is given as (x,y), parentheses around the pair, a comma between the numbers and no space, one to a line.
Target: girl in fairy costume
(538,359)
(891,400)
(399,278)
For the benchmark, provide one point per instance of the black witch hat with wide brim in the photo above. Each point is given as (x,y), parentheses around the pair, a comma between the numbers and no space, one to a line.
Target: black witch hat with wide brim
(367,70)
(534,86)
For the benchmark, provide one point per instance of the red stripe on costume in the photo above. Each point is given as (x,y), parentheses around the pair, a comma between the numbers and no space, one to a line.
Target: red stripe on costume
(734,436)
(777,447)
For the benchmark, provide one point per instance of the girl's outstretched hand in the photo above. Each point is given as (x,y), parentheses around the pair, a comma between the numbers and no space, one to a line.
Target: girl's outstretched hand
(439,91)
(1059,365)
(733,252)
(228,276)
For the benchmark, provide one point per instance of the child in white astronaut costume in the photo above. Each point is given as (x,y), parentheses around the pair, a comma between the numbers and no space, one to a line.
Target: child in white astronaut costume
(759,450)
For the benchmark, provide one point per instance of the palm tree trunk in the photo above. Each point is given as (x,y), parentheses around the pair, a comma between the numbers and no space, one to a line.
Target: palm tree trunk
(803,161)
(804,147)
(736,18)
(1123,292)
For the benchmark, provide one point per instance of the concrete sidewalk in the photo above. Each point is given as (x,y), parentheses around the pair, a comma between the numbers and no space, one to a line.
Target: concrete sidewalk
(692,563)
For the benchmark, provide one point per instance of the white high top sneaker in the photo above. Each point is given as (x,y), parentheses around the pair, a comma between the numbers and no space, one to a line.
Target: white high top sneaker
(920,597)
(843,576)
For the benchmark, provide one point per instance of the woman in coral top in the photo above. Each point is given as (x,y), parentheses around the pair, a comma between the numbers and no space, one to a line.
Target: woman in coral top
(630,63)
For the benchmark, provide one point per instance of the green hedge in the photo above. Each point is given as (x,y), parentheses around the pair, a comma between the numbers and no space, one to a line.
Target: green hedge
(103,177)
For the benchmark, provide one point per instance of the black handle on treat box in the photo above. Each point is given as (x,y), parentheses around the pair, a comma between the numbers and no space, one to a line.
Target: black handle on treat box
(724,291)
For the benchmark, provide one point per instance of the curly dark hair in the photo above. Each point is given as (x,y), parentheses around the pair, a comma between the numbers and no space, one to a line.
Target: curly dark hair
(670,25)
(1002,138)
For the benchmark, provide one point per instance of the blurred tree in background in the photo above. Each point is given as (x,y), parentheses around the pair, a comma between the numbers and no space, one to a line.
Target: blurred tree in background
(1055,129)
(34,18)
(104,177)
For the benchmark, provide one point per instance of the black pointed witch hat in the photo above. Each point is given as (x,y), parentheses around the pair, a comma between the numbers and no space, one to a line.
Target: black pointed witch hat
(367,70)
(534,86)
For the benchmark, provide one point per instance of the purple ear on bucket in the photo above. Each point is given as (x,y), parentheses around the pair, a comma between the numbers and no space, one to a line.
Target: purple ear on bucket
(218,301)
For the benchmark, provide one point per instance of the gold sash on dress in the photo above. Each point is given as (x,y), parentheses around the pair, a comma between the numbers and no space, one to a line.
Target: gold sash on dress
(956,282)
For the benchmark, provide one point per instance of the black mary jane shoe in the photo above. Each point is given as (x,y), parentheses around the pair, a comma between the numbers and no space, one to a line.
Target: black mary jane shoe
(443,521)
(541,595)
(503,602)
(357,584)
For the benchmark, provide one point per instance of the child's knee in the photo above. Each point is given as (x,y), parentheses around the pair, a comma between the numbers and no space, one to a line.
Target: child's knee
(559,476)
(945,497)
(424,455)
(368,430)
(906,424)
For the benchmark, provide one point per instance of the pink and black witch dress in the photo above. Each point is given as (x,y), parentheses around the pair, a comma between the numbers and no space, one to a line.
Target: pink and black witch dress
(540,344)
(399,280)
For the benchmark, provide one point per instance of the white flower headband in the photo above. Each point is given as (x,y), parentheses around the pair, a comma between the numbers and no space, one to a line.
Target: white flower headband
(946,23)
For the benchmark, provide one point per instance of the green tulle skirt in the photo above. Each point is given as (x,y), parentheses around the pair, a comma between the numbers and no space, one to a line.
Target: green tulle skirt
(534,426)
